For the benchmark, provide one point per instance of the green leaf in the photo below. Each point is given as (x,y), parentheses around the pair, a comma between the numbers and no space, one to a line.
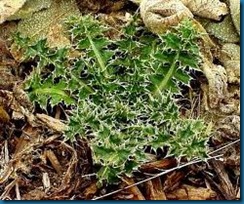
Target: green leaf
(182,76)
(121,91)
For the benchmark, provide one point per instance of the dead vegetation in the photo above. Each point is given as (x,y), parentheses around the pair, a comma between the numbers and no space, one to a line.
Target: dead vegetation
(37,163)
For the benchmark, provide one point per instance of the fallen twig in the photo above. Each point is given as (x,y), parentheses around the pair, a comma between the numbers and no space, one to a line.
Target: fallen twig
(170,170)
(156,176)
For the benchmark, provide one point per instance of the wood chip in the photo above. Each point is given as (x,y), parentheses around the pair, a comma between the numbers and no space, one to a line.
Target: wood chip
(7,189)
(46,181)
(18,196)
(173,180)
(54,161)
(225,186)
(154,190)
(186,192)
(52,123)
(35,194)
(90,191)
(238,196)
(6,152)
(6,172)
(133,190)
(160,164)
(22,156)
(4,116)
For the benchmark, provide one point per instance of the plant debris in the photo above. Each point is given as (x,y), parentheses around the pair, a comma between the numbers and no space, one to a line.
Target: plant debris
(120,100)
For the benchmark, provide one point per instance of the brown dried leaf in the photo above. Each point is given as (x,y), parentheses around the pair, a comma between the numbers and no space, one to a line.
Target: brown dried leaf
(225,30)
(212,9)
(45,23)
(9,7)
(30,7)
(160,15)
(216,90)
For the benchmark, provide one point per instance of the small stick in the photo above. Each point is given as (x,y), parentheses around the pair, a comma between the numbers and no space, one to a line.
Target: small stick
(170,170)
(157,175)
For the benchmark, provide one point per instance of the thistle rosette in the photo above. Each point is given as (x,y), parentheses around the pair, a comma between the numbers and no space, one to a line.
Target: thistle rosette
(121,91)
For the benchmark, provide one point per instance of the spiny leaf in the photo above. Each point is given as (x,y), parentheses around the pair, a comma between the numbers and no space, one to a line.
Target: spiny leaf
(121,91)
